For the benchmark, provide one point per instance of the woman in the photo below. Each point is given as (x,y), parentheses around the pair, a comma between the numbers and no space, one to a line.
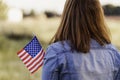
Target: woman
(81,48)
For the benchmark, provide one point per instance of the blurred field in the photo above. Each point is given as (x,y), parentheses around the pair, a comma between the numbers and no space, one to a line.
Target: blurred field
(114,26)
(11,41)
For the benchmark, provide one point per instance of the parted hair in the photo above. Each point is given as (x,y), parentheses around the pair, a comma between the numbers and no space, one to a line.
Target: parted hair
(82,20)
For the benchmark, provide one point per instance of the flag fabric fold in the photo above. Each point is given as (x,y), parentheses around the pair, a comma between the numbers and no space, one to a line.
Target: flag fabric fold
(32,55)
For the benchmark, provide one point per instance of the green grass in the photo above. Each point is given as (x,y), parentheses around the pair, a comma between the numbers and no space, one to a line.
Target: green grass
(11,68)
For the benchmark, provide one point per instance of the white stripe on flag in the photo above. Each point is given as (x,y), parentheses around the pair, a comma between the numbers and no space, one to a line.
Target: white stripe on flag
(33,58)
(29,57)
(36,67)
(21,53)
(38,60)
(25,55)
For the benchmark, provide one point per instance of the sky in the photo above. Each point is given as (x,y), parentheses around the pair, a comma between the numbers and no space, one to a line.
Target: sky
(42,5)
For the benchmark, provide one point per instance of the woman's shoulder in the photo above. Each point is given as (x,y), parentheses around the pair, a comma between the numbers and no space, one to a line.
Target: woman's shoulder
(56,49)
(111,47)
(59,47)
(114,52)
(95,44)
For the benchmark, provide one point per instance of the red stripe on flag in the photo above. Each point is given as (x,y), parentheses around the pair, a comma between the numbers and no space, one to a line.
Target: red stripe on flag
(20,51)
(37,68)
(35,58)
(37,62)
(25,57)
(22,55)
(28,60)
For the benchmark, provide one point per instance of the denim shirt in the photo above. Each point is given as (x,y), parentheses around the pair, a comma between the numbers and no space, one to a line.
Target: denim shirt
(117,76)
(100,63)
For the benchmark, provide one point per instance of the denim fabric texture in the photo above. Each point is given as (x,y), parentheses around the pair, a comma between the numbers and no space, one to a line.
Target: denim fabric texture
(117,76)
(100,63)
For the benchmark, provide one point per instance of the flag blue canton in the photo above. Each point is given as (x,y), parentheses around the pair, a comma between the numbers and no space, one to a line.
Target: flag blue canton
(33,47)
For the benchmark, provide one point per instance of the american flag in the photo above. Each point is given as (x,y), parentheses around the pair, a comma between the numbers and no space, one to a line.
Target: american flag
(32,55)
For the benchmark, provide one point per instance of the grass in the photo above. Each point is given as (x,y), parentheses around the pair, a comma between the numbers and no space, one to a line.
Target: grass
(11,68)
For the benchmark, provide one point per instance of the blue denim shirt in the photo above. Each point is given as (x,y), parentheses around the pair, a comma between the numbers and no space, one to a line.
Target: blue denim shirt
(60,63)
(117,76)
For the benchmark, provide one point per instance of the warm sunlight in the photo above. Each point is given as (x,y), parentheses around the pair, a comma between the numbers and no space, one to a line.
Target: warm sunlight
(42,5)
(15,15)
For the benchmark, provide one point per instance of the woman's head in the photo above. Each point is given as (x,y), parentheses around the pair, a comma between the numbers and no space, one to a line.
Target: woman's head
(81,21)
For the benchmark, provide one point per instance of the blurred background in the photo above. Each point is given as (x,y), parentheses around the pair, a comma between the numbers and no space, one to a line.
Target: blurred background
(21,19)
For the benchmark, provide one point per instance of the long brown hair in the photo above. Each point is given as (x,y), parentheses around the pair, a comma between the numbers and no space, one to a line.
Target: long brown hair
(82,20)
